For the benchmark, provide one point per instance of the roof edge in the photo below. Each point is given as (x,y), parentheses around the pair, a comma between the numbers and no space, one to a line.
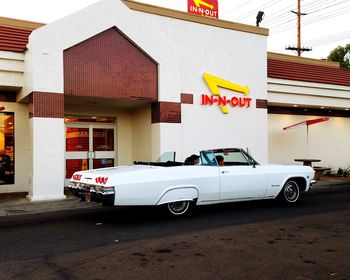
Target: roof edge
(304,60)
(137,6)
(25,24)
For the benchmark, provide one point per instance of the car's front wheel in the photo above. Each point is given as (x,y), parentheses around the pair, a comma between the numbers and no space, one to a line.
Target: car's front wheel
(291,191)
(179,207)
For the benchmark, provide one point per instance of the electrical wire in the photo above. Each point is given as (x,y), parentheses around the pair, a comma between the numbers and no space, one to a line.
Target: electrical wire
(262,7)
(320,41)
(330,14)
(236,8)
(284,17)
(327,15)
(323,7)
(278,15)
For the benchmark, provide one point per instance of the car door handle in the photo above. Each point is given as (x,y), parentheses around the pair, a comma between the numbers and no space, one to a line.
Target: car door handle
(225,171)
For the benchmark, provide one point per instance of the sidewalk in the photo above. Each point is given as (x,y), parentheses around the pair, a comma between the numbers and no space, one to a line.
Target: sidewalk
(20,205)
(330,181)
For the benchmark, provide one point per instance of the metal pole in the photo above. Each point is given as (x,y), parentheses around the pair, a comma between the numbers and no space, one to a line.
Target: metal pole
(299,29)
(307,141)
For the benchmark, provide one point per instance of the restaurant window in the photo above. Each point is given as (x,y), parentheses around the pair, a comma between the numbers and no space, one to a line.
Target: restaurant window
(7,148)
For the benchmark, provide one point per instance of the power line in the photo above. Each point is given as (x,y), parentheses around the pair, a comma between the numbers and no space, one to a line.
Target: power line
(277,18)
(334,13)
(324,40)
(236,8)
(277,15)
(315,4)
(322,8)
(284,13)
(308,7)
(317,11)
(262,7)
(311,20)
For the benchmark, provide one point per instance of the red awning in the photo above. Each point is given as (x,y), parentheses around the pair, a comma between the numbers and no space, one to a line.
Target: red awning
(307,123)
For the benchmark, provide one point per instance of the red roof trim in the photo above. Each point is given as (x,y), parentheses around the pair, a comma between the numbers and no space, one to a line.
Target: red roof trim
(282,69)
(13,38)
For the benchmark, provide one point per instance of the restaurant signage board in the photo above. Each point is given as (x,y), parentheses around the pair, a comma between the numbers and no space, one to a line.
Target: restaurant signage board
(207,8)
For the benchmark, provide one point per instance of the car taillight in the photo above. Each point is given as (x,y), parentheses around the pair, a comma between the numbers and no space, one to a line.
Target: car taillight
(76,177)
(101,180)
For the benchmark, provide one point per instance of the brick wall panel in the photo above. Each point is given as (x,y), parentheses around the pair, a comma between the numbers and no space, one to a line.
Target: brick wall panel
(166,112)
(46,105)
(261,104)
(109,65)
(186,98)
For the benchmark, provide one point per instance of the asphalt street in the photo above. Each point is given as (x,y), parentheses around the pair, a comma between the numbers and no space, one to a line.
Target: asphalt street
(251,240)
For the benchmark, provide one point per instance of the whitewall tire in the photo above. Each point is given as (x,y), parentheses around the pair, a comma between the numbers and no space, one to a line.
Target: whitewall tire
(179,207)
(291,191)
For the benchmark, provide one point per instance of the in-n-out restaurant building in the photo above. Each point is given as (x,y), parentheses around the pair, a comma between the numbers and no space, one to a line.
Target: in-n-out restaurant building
(121,81)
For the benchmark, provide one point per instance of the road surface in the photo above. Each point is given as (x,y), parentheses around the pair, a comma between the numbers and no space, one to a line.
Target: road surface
(251,240)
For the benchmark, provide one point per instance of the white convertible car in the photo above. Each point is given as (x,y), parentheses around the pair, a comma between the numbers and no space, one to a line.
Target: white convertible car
(180,185)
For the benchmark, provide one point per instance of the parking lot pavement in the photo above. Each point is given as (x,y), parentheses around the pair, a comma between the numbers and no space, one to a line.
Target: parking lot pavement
(310,241)
(14,205)
(314,246)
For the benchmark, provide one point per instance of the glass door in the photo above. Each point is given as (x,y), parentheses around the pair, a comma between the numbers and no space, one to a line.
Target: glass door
(103,151)
(89,146)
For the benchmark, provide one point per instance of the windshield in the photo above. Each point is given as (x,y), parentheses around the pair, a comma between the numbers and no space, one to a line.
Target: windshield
(226,157)
(167,156)
(250,157)
(208,158)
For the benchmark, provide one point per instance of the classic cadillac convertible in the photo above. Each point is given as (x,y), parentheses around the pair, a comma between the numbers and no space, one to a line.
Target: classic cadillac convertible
(178,185)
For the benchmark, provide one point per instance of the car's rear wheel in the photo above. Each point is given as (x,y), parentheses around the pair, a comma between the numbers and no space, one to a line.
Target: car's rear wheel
(179,207)
(291,191)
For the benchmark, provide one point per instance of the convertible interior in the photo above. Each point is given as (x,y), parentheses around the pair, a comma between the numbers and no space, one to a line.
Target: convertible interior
(164,164)
(232,157)
(177,163)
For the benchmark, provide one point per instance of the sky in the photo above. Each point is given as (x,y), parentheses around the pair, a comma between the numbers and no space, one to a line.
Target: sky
(324,25)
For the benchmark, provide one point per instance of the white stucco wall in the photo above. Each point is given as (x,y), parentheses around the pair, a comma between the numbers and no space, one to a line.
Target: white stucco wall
(308,94)
(327,141)
(11,69)
(141,133)
(48,146)
(208,127)
(184,51)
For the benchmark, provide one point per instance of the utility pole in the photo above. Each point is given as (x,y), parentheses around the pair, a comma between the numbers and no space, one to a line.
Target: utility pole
(299,28)
(299,49)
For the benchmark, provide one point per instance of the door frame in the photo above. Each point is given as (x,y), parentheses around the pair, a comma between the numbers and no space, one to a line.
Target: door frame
(90,155)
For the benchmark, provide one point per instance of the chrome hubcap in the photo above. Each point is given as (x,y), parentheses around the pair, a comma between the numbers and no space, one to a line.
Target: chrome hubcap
(178,208)
(291,192)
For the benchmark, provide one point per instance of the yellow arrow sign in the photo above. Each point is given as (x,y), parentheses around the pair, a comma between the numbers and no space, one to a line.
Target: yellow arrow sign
(215,82)
(201,2)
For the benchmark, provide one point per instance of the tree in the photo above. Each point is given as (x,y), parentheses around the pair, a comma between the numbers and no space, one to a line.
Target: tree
(342,55)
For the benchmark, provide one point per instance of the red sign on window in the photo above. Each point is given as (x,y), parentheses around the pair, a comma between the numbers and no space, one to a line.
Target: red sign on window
(207,8)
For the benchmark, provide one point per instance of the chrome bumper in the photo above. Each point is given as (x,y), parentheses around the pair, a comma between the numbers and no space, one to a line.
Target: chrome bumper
(95,193)
(312,183)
